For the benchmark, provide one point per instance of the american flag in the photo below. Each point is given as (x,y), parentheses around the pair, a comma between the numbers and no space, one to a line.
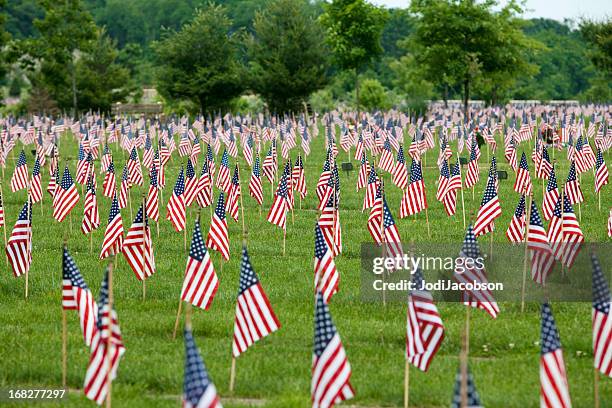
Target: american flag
(109,183)
(36,184)
(184,147)
(392,241)
(544,166)
(468,270)
(454,184)
(81,170)
(551,195)
(364,170)
(19,244)
(386,162)
(400,173)
(523,184)
(152,195)
(516,229)
(329,221)
(371,188)
(233,197)
(473,398)
(204,197)
(326,277)
(255,189)
(255,318)
(414,199)
(375,218)
(218,237)
(331,371)
(134,168)
(601,172)
(210,162)
(195,150)
(324,178)
(424,327)
(77,296)
(66,197)
(538,242)
(278,212)
(443,180)
(107,348)
(602,321)
(198,389)
(53,182)
(138,246)
(554,389)
(124,187)
(489,209)
(359,149)
(2,222)
(113,236)
(269,165)
(91,215)
(247,150)
(564,233)
(200,283)
(473,173)
(175,211)
(223,181)
(19,181)
(572,186)
(191,184)
(148,154)
(510,153)
(298,177)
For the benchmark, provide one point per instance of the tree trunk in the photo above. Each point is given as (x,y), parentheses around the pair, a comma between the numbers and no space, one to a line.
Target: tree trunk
(357,93)
(466,98)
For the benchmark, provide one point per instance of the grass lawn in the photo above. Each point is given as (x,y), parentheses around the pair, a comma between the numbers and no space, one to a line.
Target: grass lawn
(504,353)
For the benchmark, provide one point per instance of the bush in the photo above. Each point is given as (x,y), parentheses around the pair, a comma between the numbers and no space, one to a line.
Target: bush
(373,96)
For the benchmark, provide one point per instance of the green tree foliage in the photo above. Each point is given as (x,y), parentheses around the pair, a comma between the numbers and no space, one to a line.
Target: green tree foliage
(4,38)
(354,31)
(598,36)
(100,80)
(463,41)
(66,33)
(373,95)
(564,69)
(287,54)
(409,83)
(200,62)
(21,16)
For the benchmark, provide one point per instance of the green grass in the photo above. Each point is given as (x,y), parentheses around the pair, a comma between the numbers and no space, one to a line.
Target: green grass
(504,353)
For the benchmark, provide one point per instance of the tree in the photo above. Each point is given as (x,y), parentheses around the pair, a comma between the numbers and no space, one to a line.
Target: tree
(100,79)
(200,62)
(462,41)
(373,95)
(410,84)
(66,32)
(4,38)
(354,30)
(598,36)
(287,54)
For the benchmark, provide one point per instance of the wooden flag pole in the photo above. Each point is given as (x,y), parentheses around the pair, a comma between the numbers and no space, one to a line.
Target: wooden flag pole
(527,222)
(130,201)
(144,234)
(27,272)
(64,348)
(90,242)
(241,204)
(178,317)
(465,350)
(232,375)
(382,235)
(284,239)
(596,387)
(4,227)
(64,339)
(462,200)
(109,339)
